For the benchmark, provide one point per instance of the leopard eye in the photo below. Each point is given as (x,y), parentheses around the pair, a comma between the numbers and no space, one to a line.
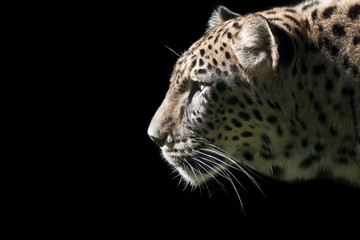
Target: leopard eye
(200,86)
(196,89)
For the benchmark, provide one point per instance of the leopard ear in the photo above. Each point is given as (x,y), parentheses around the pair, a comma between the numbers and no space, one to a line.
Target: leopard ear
(256,46)
(220,15)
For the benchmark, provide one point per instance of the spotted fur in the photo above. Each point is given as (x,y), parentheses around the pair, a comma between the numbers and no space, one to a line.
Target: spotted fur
(277,91)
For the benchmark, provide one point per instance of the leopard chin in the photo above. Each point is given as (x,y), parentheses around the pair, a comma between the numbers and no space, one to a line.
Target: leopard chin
(191,169)
(196,167)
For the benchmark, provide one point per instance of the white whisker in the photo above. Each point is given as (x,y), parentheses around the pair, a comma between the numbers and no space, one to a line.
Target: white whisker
(237,193)
(193,171)
(219,172)
(209,161)
(200,163)
(243,169)
(216,170)
(225,173)
(172,50)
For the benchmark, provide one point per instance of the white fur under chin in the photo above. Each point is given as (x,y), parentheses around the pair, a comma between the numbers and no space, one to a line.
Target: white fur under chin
(189,177)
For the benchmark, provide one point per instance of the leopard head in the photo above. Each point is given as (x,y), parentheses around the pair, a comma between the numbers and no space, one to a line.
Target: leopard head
(213,118)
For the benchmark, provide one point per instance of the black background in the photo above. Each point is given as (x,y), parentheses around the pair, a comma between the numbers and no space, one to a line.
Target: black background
(153,198)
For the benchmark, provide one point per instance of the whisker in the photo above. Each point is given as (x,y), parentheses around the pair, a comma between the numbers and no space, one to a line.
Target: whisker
(227,176)
(224,155)
(176,175)
(221,155)
(200,165)
(219,172)
(193,170)
(209,161)
(172,50)
(237,193)
(216,170)
(220,152)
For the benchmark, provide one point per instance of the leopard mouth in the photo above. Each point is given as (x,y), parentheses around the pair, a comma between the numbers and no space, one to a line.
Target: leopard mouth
(199,166)
(205,162)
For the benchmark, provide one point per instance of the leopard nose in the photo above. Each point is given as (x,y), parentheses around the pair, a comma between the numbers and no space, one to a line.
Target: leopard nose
(158,137)
(158,129)
(159,140)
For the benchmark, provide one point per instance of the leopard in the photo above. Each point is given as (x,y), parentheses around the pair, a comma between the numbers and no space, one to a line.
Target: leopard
(273,93)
